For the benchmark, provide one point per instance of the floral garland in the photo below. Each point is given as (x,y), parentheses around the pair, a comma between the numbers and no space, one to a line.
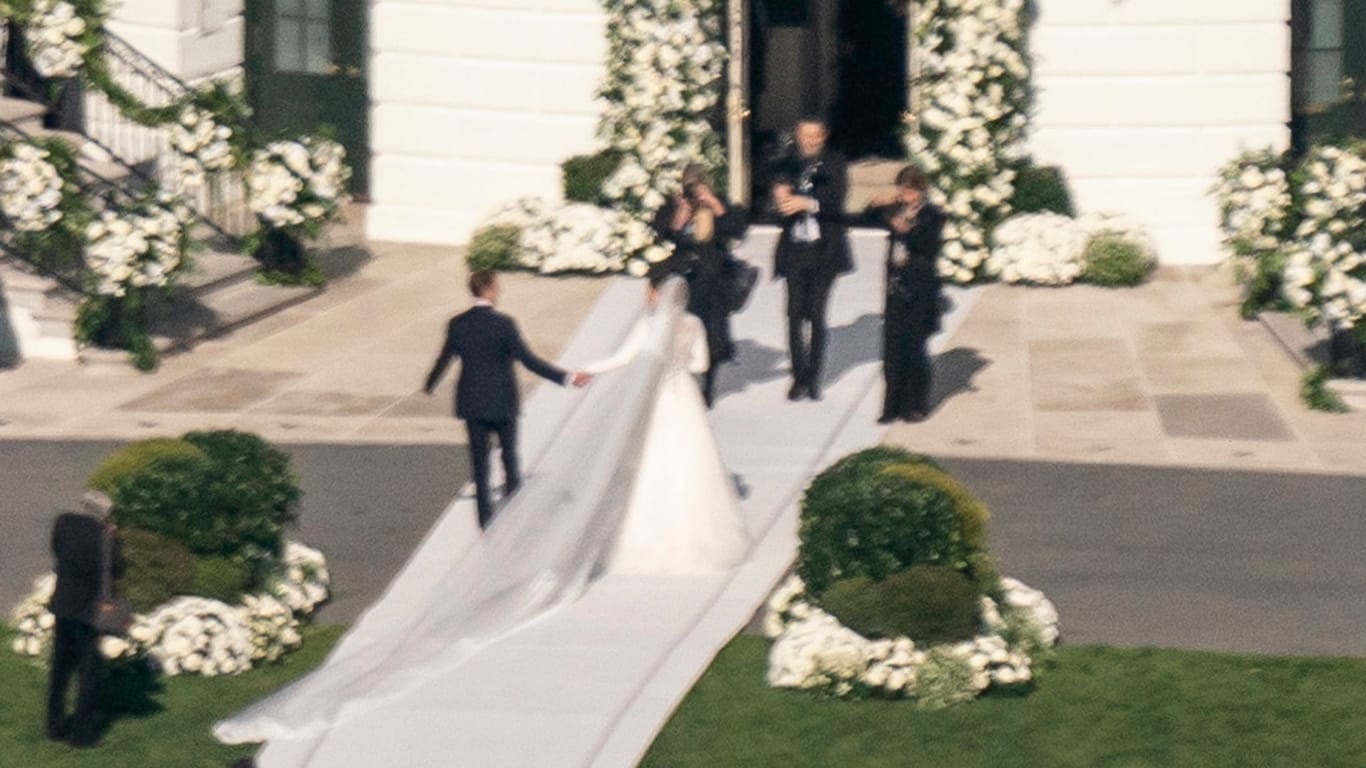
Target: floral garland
(59,35)
(970,131)
(813,650)
(31,188)
(579,237)
(197,635)
(141,246)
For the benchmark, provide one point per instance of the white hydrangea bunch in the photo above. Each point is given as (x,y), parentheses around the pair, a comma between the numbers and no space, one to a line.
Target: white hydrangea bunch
(580,237)
(198,635)
(1332,193)
(30,188)
(274,627)
(305,581)
(299,184)
(812,649)
(665,62)
(1038,248)
(972,120)
(1253,194)
(54,38)
(203,145)
(142,246)
(31,621)
(1325,278)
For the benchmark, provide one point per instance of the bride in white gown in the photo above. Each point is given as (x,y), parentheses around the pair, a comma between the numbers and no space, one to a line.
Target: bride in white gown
(683,515)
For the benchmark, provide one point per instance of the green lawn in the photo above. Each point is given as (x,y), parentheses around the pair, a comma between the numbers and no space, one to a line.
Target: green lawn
(168,726)
(1099,706)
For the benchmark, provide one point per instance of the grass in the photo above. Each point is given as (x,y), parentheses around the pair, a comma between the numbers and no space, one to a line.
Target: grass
(1099,706)
(165,724)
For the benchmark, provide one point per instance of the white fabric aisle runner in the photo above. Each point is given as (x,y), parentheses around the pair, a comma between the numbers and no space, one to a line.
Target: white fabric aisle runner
(592,683)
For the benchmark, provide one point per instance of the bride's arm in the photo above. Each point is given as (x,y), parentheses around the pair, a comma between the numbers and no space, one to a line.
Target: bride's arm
(630,347)
(699,356)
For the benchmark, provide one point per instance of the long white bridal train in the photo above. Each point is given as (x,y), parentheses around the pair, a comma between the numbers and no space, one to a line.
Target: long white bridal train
(632,482)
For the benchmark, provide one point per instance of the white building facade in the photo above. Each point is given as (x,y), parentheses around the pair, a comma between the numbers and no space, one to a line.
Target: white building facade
(466,104)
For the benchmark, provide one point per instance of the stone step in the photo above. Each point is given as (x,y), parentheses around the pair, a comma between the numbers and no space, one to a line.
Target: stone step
(27,116)
(1308,347)
(216,267)
(57,318)
(191,318)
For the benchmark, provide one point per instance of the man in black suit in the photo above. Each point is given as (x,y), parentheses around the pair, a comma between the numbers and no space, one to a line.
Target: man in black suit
(488,343)
(813,248)
(913,305)
(79,544)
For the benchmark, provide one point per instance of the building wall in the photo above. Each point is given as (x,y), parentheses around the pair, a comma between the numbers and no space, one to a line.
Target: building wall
(475,103)
(1142,100)
(192,39)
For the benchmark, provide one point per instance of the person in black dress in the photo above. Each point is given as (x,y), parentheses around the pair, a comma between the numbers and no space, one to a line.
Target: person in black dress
(700,223)
(912,310)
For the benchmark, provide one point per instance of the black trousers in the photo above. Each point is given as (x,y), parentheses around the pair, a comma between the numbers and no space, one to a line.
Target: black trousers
(707,382)
(479,432)
(808,295)
(75,650)
(905,363)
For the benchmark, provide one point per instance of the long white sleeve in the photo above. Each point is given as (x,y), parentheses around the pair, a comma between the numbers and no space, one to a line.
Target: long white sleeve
(699,356)
(630,347)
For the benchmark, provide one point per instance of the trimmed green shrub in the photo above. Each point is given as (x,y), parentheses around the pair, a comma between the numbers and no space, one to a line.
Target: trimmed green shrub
(133,457)
(584,175)
(254,493)
(221,578)
(155,569)
(862,518)
(972,513)
(1041,188)
(166,495)
(494,247)
(1113,261)
(927,603)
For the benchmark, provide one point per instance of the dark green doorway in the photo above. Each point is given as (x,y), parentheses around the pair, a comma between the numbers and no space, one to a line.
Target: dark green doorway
(1328,71)
(306,68)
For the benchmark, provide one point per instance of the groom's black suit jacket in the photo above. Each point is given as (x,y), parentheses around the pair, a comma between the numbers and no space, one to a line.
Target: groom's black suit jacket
(487,343)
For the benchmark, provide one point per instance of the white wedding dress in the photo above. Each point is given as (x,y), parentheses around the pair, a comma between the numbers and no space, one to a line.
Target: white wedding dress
(630,481)
(683,515)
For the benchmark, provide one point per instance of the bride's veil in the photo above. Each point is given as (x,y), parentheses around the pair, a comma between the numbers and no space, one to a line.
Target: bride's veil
(539,553)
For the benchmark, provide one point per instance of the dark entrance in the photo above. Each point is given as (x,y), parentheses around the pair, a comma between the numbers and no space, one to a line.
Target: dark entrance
(1328,71)
(306,64)
(845,60)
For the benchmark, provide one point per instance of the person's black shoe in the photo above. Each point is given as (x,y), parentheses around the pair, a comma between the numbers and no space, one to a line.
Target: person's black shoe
(797,392)
(915,417)
(885,419)
(814,392)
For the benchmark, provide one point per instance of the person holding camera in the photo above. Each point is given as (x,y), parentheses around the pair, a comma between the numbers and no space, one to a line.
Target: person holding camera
(914,298)
(700,223)
(813,249)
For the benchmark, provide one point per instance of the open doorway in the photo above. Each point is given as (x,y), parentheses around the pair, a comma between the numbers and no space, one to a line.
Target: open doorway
(846,60)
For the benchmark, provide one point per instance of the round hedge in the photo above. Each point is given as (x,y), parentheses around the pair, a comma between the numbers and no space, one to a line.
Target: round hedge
(494,247)
(1039,188)
(254,491)
(133,457)
(928,603)
(1113,261)
(863,517)
(155,569)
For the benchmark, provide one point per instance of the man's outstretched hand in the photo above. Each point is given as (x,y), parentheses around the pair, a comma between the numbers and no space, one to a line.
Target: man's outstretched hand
(581,379)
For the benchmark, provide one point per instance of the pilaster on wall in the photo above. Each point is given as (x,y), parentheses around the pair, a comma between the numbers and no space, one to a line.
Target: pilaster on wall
(192,39)
(1142,100)
(474,103)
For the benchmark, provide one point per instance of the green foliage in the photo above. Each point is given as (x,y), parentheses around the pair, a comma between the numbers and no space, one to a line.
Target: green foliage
(283,257)
(117,322)
(1315,393)
(166,495)
(584,175)
(1113,261)
(943,681)
(1041,188)
(972,513)
(155,569)
(860,517)
(133,457)
(928,603)
(494,247)
(221,578)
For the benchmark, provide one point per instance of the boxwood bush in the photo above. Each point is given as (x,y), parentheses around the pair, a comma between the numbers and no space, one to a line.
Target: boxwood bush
(1113,261)
(927,603)
(133,457)
(155,569)
(863,517)
(1041,188)
(494,247)
(221,578)
(584,175)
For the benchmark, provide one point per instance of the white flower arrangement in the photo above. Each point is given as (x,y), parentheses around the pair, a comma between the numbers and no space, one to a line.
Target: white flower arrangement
(1051,249)
(1332,192)
(1325,278)
(1253,194)
(298,185)
(812,650)
(203,144)
(971,126)
(142,246)
(580,237)
(31,188)
(56,38)
(197,635)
